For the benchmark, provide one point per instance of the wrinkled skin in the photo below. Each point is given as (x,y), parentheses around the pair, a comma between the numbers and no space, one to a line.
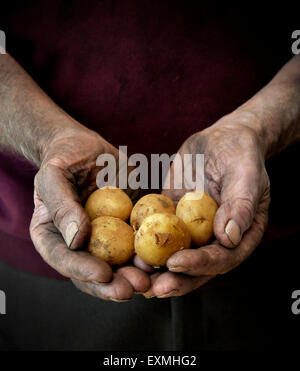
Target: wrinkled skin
(66,177)
(234,148)
(236,178)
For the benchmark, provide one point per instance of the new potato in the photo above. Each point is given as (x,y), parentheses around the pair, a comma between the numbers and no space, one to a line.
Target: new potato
(111,240)
(160,236)
(197,210)
(108,201)
(159,232)
(150,204)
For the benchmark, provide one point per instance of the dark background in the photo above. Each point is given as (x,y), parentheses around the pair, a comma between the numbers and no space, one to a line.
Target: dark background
(248,308)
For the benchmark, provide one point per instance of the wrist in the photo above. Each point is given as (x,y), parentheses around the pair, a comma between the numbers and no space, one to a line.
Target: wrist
(30,120)
(69,141)
(274,115)
(242,126)
(55,133)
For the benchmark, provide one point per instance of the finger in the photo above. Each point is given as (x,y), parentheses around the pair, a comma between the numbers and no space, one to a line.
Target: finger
(170,284)
(56,188)
(169,189)
(51,246)
(119,289)
(150,294)
(241,190)
(139,280)
(206,260)
(216,259)
(139,263)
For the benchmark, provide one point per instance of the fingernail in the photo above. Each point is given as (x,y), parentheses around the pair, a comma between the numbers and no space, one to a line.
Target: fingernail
(170,293)
(71,232)
(148,296)
(118,300)
(177,269)
(233,232)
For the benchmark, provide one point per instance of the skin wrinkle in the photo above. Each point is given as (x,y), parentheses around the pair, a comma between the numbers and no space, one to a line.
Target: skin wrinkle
(60,213)
(24,105)
(49,172)
(249,210)
(81,270)
(278,108)
(244,187)
(31,124)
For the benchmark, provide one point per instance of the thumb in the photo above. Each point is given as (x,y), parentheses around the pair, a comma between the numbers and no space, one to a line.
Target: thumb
(238,203)
(55,188)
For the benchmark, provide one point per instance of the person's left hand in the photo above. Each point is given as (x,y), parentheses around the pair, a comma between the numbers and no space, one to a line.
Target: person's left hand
(235,176)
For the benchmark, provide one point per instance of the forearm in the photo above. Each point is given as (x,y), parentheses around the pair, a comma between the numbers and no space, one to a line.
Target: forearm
(28,117)
(276,109)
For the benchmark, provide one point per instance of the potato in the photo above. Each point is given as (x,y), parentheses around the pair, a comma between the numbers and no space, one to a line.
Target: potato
(197,210)
(112,240)
(109,201)
(150,204)
(160,236)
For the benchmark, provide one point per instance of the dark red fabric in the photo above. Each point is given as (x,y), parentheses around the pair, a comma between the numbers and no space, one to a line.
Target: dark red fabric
(146,74)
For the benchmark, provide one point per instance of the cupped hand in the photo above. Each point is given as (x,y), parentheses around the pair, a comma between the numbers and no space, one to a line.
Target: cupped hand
(235,176)
(60,227)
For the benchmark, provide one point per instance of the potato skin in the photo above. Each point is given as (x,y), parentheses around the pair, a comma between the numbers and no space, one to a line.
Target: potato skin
(108,201)
(148,205)
(160,236)
(112,240)
(197,210)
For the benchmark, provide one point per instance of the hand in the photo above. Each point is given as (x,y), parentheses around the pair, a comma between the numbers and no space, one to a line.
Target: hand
(236,178)
(60,225)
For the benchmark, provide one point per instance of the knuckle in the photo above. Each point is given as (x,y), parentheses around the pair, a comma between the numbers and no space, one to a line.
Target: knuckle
(41,174)
(242,209)
(75,270)
(32,226)
(202,259)
(56,257)
(118,292)
(96,273)
(60,211)
(246,206)
(176,282)
(214,170)
(80,268)
(249,137)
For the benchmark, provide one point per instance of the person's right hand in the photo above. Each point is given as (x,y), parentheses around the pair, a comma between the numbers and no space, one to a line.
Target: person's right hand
(60,226)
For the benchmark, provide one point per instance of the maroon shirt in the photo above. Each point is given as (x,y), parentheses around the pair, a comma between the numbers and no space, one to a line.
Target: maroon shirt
(146,74)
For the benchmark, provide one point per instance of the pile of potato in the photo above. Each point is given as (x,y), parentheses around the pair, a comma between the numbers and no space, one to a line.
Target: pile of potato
(156,231)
